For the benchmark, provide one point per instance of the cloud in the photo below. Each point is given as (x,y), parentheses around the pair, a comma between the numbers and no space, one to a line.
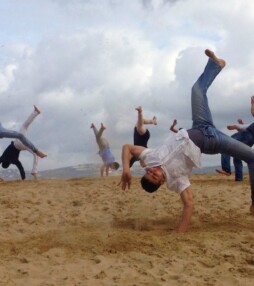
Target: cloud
(95,61)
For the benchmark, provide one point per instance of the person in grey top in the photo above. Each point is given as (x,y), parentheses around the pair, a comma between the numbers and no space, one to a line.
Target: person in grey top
(104,151)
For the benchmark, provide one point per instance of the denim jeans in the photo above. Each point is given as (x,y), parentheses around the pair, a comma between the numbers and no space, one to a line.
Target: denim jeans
(214,140)
(5,133)
(247,138)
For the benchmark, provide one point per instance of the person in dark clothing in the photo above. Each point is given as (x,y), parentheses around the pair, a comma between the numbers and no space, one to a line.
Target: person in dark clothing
(12,152)
(245,135)
(141,134)
(7,133)
(11,156)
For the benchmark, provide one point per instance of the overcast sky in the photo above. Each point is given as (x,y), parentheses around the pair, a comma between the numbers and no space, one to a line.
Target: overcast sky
(84,61)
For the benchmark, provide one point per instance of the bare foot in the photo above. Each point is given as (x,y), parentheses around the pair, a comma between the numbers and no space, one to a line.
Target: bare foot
(102,126)
(173,126)
(40,154)
(252,209)
(37,109)
(92,125)
(139,109)
(154,120)
(174,122)
(212,55)
(222,172)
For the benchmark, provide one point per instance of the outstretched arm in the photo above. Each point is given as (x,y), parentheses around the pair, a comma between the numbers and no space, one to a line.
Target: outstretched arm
(188,208)
(128,151)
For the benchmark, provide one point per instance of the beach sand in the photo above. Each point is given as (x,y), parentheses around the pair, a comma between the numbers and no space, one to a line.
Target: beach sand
(86,231)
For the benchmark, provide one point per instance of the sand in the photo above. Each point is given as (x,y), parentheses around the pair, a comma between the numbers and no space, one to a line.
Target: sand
(87,231)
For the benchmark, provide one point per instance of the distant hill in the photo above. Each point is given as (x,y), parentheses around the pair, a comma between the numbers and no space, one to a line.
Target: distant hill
(85,170)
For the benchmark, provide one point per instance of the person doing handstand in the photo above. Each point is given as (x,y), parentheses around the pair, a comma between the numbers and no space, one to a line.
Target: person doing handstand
(104,151)
(12,152)
(7,133)
(173,161)
(141,134)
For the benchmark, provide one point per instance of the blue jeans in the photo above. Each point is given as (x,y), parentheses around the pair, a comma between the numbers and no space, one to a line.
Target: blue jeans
(214,140)
(247,138)
(6,133)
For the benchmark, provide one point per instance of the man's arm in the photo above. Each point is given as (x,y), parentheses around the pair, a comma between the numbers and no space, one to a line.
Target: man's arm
(188,208)
(238,127)
(128,151)
(102,168)
(107,169)
(21,169)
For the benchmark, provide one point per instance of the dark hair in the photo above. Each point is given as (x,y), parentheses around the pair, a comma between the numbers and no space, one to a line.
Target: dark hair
(148,186)
(5,164)
(116,165)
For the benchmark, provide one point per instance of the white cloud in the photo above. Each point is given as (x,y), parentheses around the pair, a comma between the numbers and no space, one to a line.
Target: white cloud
(6,77)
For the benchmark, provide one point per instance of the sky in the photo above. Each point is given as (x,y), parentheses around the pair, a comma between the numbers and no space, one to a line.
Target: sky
(93,61)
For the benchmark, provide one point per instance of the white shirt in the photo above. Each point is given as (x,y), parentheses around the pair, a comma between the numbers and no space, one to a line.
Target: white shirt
(177,156)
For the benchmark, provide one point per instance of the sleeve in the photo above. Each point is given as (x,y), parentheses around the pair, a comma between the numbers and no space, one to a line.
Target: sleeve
(143,154)
(183,183)
(21,169)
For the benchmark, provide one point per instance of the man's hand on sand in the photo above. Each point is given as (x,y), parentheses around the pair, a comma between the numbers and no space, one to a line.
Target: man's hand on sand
(125,180)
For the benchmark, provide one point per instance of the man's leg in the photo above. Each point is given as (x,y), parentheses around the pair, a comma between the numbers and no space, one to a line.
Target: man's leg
(238,169)
(225,165)
(247,138)
(29,120)
(238,164)
(102,142)
(141,121)
(240,150)
(201,114)
(5,133)
(251,175)
(225,162)
(17,143)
